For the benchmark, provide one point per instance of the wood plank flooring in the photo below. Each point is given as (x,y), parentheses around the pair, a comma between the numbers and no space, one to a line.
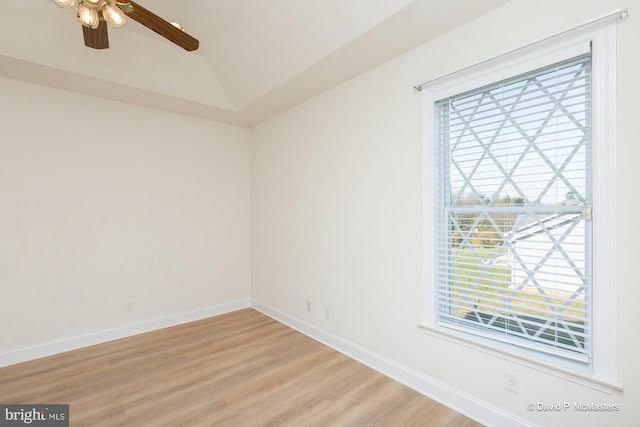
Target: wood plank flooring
(238,369)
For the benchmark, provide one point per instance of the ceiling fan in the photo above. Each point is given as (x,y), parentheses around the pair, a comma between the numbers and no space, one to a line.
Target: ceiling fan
(95,14)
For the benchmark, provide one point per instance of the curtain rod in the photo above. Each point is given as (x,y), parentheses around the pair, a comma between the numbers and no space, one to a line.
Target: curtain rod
(622,14)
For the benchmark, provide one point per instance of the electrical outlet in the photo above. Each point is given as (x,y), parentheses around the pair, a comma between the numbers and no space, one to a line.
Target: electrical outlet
(308,305)
(327,313)
(130,306)
(511,382)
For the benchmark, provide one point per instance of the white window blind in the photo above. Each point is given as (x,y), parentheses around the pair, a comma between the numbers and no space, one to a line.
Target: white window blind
(513,210)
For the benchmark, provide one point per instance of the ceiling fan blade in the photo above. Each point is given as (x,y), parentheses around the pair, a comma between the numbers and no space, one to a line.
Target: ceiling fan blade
(162,27)
(96,38)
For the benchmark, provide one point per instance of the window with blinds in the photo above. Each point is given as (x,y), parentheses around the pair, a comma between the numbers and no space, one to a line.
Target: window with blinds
(513,210)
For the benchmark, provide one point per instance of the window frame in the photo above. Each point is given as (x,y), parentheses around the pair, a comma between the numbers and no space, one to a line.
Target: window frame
(602,371)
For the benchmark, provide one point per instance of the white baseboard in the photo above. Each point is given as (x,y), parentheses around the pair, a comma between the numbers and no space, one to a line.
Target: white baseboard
(430,387)
(461,402)
(54,347)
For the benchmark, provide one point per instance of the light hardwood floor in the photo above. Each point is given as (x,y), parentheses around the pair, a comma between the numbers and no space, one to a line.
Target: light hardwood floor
(238,369)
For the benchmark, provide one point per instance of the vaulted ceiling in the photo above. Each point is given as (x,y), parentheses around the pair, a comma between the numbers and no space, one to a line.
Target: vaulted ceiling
(256,57)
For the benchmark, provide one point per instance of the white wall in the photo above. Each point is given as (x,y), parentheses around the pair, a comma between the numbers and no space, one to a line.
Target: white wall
(103,204)
(336,214)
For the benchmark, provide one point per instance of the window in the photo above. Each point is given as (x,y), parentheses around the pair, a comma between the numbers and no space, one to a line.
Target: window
(513,226)
(520,222)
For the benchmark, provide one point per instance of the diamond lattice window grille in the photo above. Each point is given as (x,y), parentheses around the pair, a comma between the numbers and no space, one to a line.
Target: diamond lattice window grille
(515,181)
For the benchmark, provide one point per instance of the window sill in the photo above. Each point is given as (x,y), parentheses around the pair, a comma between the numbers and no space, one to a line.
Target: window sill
(575,372)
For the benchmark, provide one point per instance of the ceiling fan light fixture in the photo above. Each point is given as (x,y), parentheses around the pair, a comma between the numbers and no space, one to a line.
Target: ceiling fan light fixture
(113,15)
(88,16)
(65,3)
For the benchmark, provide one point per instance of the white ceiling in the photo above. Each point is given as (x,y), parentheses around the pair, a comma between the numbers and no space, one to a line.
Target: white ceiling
(256,57)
